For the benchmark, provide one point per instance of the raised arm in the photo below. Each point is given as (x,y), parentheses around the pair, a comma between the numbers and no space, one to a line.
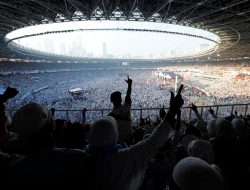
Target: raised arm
(84,116)
(211,111)
(201,125)
(195,110)
(8,94)
(148,148)
(128,95)
(175,139)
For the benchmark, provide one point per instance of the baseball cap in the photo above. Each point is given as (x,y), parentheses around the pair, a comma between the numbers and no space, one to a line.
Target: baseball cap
(193,173)
(30,119)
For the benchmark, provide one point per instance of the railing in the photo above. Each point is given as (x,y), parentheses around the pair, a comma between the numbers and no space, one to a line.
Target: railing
(187,114)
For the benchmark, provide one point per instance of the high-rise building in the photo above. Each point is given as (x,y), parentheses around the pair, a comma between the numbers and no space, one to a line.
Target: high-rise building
(104,49)
(173,52)
(204,46)
(49,46)
(62,48)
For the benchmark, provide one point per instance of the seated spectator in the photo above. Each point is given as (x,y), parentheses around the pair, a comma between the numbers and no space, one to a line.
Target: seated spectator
(195,174)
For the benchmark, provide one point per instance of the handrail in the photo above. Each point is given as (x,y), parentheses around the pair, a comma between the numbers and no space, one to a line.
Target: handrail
(156,108)
(233,107)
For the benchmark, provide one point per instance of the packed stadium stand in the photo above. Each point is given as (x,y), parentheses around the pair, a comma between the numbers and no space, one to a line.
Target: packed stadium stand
(109,124)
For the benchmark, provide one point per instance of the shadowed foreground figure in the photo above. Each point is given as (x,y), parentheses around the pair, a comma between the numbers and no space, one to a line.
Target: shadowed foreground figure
(192,173)
(121,112)
(44,164)
(124,168)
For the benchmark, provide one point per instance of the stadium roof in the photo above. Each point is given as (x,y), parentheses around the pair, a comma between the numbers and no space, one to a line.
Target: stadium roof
(230,19)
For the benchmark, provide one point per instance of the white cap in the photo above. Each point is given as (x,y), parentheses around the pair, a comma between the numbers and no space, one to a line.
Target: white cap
(30,119)
(104,132)
(193,173)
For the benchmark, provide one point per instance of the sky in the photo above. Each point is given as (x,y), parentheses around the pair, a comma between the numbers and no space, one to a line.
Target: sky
(117,43)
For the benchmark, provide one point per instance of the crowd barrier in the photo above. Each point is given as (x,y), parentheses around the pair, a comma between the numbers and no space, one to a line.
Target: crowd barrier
(136,113)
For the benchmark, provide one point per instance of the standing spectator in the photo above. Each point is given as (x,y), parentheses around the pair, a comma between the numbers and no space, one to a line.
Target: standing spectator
(124,168)
(121,112)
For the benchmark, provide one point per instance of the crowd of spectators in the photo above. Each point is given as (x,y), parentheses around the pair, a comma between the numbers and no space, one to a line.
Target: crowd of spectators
(36,147)
(50,83)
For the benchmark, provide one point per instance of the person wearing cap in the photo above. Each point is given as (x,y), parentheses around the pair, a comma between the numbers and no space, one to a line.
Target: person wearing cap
(44,164)
(192,173)
(202,149)
(123,168)
(33,124)
(121,112)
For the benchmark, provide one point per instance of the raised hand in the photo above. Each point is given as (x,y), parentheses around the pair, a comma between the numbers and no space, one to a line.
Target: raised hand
(162,113)
(176,101)
(129,81)
(178,121)
(194,108)
(53,111)
(236,113)
(211,111)
(2,116)
(10,92)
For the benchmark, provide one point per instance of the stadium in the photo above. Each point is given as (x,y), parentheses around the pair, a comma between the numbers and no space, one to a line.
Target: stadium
(70,56)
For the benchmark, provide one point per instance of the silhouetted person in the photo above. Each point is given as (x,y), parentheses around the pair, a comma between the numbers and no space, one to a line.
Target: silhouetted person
(121,112)
(44,164)
(124,168)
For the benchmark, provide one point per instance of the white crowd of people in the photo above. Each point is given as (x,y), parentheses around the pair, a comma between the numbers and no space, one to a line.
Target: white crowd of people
(98,83)
(37,148)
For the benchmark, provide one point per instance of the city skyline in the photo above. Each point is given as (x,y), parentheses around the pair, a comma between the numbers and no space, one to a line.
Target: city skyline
(119,43)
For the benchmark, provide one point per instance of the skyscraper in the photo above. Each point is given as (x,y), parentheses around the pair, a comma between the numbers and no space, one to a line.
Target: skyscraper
(49,45)
(62,48)
(104,49)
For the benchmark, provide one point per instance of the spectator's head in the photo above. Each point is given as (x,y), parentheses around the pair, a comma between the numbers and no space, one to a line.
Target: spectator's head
(32,119)
(192,122)
(225,128)
(187,139)
(211,129)
(116,98)
(240,128)
(201,149)
(191,130)
(201,126)
(193,173)
(60,124)
(104,132)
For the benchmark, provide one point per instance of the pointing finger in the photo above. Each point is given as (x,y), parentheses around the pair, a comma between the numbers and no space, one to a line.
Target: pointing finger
(180,89)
